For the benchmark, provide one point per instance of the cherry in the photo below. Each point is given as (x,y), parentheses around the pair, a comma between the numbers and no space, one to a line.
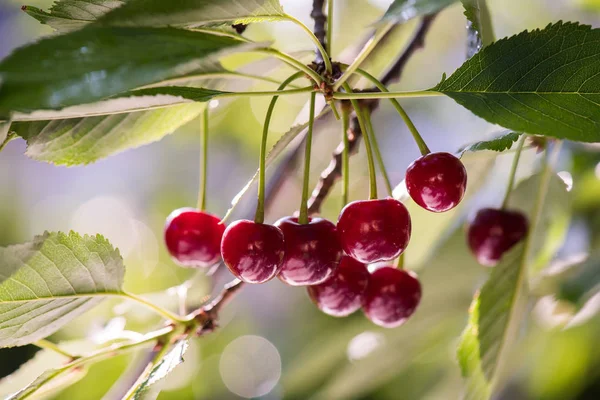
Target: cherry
(312,251)
(193,237)
(493,232)
(392,296)
(437,181)
(374,230)
(342,293)
(253,252)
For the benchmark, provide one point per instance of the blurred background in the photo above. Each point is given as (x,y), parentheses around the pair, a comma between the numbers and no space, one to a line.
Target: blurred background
(273,343)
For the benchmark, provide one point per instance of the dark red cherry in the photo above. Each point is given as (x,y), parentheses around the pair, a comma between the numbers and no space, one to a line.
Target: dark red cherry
(312,251)
(374,230)
(391,296)
(493,232)
(342,293)
(437,181)
(253,252)
(194,237)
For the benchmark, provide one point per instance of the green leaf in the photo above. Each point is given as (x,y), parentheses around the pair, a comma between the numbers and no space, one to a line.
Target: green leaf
(4,128)
(69,15)
(544,82)
(499,309)
(401,11)
(164,367)
(99,62)
(582,282)
(47,282)
(500,143)
(78,141)
(193,13)
(44,360)
(469,358)
(480,31)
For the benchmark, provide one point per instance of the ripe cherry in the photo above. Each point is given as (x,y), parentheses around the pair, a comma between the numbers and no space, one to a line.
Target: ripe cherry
(437,181)
(342,293)
(253,252)
(193,237)
(312,251)
(374,230)
(392,296)
(493,232)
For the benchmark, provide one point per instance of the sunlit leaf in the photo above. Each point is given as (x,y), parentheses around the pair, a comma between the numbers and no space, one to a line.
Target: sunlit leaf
(68,15)
(164,367)
(47,282)
(500,143)
(193,13)
(78,141)
(544,82)
(99,62)
(401,11)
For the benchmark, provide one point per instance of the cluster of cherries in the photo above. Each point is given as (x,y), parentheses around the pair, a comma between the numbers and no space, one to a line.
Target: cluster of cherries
(331,260)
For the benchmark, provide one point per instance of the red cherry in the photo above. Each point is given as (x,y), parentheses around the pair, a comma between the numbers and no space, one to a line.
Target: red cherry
(437,181)
(342,293)
(194,237)
(374,230)
(493,232)
(253,252)
(312,251)
(392,296)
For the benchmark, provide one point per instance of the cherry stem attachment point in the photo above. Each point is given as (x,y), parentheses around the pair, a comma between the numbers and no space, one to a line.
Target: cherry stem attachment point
(203,158)
(411,127)
(513,171)
(363,127)
(345,156)
(259,217)
(303,217)
(377,152)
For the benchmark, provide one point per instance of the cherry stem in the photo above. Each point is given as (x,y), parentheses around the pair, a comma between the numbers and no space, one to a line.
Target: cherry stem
(364,53)
(363,128)
(329,26)
(303,217)
(293,62)
(345,156)
(48,345)
(312,36)
(260,207)
(377,152)
(513,172)
(203,158)
(336,114)
(401,261)
(411,127)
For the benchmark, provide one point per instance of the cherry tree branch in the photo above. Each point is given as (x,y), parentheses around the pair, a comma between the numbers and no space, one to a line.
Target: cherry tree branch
(333,172)
(320,19)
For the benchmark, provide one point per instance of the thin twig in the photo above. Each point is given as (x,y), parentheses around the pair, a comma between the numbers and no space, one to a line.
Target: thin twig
(319,30)
(333,172)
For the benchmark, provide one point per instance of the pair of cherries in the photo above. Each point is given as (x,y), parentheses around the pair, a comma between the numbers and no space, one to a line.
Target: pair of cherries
(388,296)
(492,233)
